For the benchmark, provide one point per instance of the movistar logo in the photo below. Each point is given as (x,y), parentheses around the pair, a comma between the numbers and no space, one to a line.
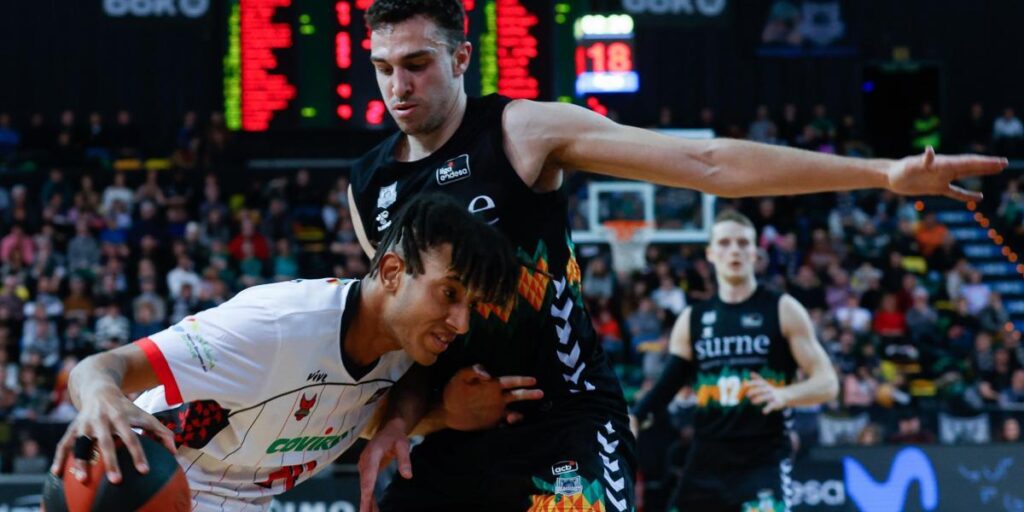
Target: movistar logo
(308,443)
(889,495)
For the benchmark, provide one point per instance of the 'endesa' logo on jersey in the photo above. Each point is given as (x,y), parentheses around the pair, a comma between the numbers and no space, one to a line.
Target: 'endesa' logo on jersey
(453,170)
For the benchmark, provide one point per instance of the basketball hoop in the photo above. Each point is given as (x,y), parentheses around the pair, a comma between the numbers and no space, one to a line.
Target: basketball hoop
(628,240)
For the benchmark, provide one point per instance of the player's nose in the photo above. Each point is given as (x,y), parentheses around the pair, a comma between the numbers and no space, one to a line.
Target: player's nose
(458,318)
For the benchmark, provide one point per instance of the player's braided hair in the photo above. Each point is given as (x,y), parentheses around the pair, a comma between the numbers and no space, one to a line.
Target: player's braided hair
(449,16)
(481,256)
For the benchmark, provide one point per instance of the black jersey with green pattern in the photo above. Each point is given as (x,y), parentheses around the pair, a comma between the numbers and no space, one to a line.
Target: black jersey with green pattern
(547,333)
(730,342)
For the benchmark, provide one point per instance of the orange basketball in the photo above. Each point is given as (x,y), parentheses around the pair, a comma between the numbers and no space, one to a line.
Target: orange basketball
(163,489)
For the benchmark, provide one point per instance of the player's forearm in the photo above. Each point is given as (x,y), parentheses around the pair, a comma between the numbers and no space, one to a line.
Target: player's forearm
(95,375)
(819,388)
(737,168)
(409,401)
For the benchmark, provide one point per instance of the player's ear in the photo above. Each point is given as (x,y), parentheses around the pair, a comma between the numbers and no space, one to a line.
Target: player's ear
(461,57)
(392,266)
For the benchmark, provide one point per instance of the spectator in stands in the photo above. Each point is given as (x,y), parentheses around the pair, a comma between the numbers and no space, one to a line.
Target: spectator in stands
(790,125)
(993,317)
(145,324)
(839,291)
(706,119)
(184,303)
(258,243)
(869,244)
(600,281)
(644,324)
(1009,430)
(1013,396)
(930,234)
(32,401)
(214,228)
(285,266)
(30,460)
(39,336)
(117,191)
(78,340)
(1007,133)
(977,133)
(859,389)
(807,290)
(870,435)
(910,431)
(181,275)
(700,281)
(853,316)
(250,268)
(822,123)
(55,184)
(278,221)
(1011,204)
(46,299)
(976,292)
(112,329)
(17,240)
(851,140)
(922,320)
(889,321)
(150,190)
(762,128)
(83,254)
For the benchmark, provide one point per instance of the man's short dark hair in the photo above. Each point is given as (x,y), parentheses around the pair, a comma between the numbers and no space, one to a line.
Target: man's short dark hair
(449,16)
(734,216)
(481,256)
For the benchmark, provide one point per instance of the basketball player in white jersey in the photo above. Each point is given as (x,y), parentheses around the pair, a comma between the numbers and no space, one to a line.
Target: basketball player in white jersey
(260,393)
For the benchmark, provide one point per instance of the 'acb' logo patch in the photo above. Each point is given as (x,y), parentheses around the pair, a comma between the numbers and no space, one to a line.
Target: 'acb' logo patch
(453,170)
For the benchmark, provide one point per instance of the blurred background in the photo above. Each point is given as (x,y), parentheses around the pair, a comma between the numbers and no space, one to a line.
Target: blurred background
(157,156)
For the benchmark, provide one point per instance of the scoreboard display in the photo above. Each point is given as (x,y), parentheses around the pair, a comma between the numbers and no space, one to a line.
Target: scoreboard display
(604,54)
(295,64)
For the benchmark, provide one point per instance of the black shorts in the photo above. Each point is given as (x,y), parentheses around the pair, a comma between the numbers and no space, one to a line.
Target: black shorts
(533,467)
(761,488)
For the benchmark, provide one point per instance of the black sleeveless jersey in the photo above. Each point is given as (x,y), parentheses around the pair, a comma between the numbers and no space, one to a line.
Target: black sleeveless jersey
(729,342)
(547,333)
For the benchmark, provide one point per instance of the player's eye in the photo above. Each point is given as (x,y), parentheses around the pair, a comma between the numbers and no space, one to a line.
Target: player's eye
(384,70)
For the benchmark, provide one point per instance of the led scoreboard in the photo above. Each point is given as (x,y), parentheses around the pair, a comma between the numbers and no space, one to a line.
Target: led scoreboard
(604,54)
(305,64)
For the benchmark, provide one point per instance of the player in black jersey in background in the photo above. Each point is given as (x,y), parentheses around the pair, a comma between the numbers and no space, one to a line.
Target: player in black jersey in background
(740,351)
(505,160)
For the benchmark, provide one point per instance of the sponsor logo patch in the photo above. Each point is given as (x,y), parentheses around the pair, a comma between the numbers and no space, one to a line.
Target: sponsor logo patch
(453,170)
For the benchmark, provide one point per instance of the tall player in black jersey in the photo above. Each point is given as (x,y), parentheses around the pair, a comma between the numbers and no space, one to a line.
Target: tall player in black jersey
(740,351)
(505,161)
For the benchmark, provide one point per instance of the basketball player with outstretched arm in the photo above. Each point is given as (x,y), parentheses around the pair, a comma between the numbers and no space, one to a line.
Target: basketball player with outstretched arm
(505,160)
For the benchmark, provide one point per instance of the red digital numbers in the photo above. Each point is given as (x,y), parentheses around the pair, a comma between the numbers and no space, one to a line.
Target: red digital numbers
(375,111)
(517,47)
(263,92)
(604,57)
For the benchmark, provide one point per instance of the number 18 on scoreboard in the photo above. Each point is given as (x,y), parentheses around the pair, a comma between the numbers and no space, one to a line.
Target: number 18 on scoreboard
(604,54)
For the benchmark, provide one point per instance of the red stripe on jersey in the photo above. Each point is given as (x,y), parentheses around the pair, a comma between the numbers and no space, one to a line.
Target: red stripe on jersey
(162,370)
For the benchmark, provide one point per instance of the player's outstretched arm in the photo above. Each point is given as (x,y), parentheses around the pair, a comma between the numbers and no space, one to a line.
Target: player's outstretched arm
(97,386)
(544,138)
(821,384)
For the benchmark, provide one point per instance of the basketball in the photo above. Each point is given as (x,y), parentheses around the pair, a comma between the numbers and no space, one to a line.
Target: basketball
(163,489)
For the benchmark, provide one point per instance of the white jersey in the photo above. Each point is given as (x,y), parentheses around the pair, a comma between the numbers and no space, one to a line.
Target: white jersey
(257,392)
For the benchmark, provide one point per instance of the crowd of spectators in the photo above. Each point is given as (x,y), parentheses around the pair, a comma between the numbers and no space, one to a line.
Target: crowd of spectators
(92,257)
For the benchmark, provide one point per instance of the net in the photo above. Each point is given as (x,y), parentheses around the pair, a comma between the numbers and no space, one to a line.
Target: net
(628,240)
